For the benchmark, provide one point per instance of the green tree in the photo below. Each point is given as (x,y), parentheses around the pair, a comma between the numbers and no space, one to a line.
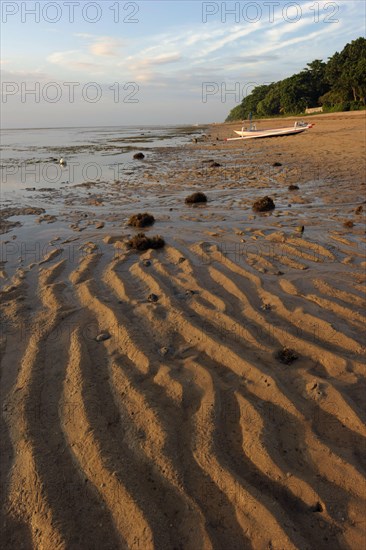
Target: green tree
(346,71)
(339,84)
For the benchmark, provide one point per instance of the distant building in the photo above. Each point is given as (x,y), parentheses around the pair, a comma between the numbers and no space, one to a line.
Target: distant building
(314,110)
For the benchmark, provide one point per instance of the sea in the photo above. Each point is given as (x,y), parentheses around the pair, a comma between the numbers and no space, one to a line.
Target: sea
(30,158)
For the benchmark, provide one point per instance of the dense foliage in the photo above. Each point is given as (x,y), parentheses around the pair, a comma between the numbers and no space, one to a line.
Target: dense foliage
(338,85)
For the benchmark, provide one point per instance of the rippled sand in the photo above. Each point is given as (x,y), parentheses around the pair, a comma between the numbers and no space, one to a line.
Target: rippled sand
(183,429)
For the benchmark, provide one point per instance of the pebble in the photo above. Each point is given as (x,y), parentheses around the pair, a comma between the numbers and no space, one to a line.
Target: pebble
(146,263)
(153,298)
(103,336)
(189,292)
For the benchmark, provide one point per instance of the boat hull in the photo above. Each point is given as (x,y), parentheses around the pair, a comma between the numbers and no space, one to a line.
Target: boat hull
(273,132)
(253,134)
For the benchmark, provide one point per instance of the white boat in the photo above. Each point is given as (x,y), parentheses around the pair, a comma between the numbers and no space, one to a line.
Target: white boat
(252,131)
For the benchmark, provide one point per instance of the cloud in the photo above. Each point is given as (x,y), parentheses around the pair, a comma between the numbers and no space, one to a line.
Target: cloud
(75,60)
(163,59)
(105,46)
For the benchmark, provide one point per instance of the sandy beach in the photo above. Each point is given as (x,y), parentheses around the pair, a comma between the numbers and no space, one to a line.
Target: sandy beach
(206,395)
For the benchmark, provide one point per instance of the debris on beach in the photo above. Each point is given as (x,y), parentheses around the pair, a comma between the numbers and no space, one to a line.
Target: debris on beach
(196,198)
(139,156)
(293,187)
(103,336)
(153,298)
(348,223)
(190,292)
(286,356)
(142,242)
(141,220)
(359,209)
(277,164)
(264,205)
(300,229)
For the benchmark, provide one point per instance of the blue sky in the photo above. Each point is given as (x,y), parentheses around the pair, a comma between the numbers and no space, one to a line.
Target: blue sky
(157,62)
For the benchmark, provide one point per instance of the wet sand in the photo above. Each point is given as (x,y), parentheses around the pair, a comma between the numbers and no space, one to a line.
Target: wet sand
(175,421)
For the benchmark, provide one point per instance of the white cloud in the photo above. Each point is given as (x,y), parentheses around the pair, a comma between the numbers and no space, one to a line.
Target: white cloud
(75,60)
(105,46)
(158,60)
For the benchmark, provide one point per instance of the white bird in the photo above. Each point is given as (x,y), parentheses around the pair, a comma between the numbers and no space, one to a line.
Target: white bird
(63,162)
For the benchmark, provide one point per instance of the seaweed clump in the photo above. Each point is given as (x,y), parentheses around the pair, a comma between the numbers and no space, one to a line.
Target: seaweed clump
(141,220)
(264,205)
(196,198)
(286,356)
(142,242)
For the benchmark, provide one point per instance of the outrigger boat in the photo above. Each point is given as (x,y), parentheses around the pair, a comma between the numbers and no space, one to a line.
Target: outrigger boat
(252,132)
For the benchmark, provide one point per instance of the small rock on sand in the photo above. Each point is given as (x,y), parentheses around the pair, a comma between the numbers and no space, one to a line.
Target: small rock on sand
(103,336)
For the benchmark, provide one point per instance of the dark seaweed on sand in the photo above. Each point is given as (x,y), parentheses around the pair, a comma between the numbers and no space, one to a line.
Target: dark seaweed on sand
(286,356)
(263,205)
(195,198)
(142,242)
(141,220)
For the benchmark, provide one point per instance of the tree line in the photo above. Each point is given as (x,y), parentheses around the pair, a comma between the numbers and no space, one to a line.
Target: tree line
(337,85)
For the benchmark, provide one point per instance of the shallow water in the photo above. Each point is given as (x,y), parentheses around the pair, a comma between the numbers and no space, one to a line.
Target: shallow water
(30,157)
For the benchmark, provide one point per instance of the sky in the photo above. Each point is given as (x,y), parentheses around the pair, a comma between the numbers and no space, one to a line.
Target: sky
(113,63)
